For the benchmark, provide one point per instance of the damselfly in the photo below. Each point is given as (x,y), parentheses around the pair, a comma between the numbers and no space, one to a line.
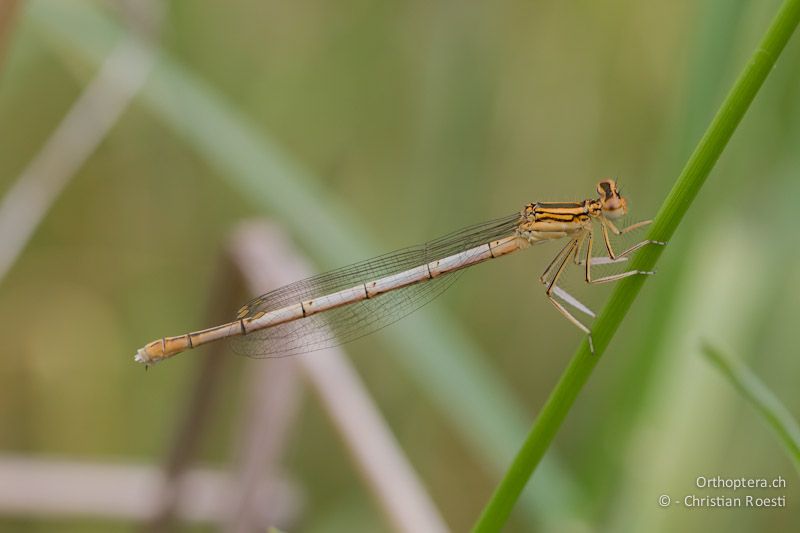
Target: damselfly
(350,302)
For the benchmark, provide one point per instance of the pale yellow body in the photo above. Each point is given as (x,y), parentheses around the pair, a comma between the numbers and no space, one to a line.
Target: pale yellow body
(538,222)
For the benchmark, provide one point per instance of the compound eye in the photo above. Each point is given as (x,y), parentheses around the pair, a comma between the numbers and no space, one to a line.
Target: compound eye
(606,188)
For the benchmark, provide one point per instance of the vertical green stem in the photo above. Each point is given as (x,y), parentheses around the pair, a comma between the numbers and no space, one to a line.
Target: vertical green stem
(672,211)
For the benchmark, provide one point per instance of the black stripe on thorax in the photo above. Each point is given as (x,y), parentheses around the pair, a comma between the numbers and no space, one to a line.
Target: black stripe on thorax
(559,205)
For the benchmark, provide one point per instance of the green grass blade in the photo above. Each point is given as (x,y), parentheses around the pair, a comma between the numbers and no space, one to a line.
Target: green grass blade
(774,413)
(717,25)
(664,225)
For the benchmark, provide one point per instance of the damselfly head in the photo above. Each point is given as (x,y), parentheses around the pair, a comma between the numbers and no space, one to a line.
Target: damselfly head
(613,205)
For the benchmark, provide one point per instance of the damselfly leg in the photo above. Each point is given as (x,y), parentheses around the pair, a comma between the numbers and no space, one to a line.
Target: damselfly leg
(559,263)
(606,225)
(615,277)
(574,249)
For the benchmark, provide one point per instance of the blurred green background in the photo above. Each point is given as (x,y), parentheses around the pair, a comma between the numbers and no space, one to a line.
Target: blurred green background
(365,126)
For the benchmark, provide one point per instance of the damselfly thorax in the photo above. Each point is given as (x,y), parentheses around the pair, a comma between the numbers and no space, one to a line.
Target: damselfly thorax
(350,302)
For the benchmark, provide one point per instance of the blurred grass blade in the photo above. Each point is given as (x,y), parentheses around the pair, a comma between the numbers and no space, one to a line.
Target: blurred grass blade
(72,142)
(435,350)
(774,413)
(717,25)
(672,211)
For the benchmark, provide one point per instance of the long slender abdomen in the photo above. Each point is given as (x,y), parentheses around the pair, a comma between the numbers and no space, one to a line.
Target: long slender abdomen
(161,349)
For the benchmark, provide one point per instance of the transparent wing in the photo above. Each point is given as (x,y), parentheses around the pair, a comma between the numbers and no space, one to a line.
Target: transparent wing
(344,324)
